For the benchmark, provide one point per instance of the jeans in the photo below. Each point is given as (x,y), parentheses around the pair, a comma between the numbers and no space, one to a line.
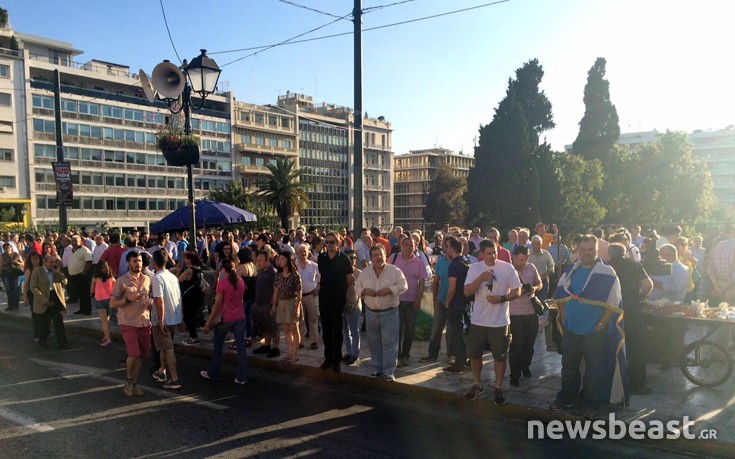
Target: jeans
(382,334)
(407,327)
(247,305)
(331,318)
(574,348)
(455,336)
(12,287)
(220,332)
(524,330)
(351,332)
(437,327)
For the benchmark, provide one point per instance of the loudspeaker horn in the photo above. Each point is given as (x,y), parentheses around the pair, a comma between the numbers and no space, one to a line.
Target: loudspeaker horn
(148,90)
(168,80)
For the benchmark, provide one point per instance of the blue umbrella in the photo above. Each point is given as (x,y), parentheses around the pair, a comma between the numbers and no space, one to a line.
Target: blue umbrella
(208,214)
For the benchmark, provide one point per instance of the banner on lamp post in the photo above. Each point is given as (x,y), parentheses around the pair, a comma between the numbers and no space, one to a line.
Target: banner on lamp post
(64,189)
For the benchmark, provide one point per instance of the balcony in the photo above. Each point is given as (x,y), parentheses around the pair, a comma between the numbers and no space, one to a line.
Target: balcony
(252,169)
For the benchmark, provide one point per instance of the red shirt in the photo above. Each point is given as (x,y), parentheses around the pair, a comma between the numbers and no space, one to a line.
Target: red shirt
(385,242)
(112,256)
(503,254)
(35,248)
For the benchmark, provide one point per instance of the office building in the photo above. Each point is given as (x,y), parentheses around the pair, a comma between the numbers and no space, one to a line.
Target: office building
(414,173)
(109,129)
(326,142)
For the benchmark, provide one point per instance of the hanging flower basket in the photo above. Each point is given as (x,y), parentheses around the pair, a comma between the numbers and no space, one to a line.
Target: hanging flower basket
(179,149)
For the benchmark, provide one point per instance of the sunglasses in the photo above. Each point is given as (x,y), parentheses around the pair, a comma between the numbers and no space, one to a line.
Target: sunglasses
(330,242)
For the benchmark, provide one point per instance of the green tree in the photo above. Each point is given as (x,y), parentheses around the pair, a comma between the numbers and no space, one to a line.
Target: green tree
(504,186)
(598,128)
(578,180)
(234,193)
(14,43)
(444,201)
(282,190)
(3,17)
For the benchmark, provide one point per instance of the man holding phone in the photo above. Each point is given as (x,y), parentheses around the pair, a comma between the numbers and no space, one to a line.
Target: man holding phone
(47,285)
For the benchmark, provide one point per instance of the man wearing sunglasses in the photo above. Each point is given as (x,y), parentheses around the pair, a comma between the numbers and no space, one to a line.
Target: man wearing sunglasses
(335,270)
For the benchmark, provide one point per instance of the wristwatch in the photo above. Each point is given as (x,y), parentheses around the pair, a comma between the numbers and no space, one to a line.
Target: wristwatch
(127,300)
(503,299)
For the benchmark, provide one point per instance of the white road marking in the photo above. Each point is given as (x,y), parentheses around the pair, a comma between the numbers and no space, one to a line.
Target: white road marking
(71,370)
(24,420)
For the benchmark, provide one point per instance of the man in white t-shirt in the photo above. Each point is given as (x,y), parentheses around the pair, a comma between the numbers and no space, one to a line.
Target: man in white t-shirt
(165,317)
(493,283)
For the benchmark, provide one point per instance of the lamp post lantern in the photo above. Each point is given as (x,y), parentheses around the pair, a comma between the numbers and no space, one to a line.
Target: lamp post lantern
(200,76)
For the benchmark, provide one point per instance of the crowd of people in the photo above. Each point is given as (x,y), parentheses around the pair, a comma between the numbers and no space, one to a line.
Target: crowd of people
(487,293)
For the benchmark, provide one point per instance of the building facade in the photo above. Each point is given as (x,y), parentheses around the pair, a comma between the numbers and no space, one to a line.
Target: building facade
(716,147)
(413,174)
(119,177)
(109,129)
(326,152)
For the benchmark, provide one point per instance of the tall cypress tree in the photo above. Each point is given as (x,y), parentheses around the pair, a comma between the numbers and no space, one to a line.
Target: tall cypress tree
(503,187)
(599,128)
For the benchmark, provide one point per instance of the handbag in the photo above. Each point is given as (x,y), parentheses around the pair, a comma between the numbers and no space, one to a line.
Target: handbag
(539,307)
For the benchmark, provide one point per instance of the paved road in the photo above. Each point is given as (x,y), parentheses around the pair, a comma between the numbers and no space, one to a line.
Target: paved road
(70,403)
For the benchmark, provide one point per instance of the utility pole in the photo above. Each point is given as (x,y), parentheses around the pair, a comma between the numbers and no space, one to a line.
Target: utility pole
(63,218)
(358,135)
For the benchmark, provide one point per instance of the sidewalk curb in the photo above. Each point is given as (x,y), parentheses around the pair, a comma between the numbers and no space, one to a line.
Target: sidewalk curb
(516,413)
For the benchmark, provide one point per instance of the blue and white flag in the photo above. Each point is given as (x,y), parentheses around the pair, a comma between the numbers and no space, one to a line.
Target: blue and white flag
(602,289)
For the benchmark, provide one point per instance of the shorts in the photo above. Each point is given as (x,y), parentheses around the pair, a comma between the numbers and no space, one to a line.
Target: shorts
(264,320)
(497,338)
(164,342)
(137,340)
(285,311)
(102,305)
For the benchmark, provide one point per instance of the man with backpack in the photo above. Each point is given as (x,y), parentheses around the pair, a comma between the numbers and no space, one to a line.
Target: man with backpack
(456,304)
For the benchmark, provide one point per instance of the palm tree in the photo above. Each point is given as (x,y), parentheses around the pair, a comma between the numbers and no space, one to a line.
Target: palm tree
(283,191)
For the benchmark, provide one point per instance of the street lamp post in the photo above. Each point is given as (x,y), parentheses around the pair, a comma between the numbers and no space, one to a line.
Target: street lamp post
(201,75)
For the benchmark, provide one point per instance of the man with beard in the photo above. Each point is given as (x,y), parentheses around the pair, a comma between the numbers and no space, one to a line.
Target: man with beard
(130,296)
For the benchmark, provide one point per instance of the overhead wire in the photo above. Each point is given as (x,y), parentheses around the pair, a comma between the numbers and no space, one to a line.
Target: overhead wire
(293,40)
(265,48)
(310,9)
(380,7)
(165,21)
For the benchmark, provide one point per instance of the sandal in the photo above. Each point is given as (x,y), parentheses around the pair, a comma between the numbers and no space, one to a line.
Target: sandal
(233,346)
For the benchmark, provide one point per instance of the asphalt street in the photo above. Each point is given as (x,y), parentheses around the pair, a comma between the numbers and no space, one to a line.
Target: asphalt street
(70,403)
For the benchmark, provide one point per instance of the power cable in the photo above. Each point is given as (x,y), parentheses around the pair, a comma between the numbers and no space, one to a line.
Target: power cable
(293,40)
(165,21)
(287,40)
(311,9)
(380,7)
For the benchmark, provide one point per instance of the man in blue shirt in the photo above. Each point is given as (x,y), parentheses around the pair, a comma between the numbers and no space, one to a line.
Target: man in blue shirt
(439,288)
(584,326)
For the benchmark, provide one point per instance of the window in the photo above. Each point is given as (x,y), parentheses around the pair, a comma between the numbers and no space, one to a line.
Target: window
(259,119)
(44,151)
(111,112)
(86,108)
(40,125)
(5,99)
(272,120)
(68,105)
(286,144)
(43,102)
(4,71)
(41,202)
(6,155)
(259,141)
(7,181)
(245,139)
(70,128)
(245,160)
(273,143)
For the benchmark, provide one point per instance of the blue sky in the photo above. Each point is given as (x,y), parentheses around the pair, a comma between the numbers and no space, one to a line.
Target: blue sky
(437,80)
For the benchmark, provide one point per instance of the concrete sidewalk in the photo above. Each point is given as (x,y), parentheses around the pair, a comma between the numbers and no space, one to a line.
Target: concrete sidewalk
(673,398)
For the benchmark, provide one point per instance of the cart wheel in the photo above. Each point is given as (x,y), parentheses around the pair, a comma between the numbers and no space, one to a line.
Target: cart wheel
(706,363)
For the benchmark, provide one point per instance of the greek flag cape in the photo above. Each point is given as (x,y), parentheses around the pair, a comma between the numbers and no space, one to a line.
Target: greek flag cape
(602,289)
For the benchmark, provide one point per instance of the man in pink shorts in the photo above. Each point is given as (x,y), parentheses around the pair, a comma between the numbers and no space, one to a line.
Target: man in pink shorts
(131,296)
